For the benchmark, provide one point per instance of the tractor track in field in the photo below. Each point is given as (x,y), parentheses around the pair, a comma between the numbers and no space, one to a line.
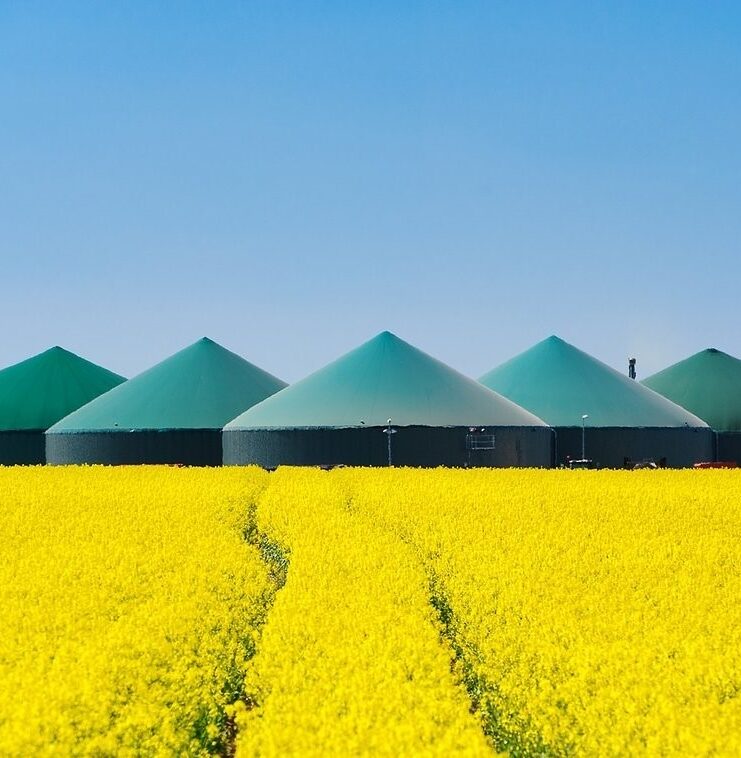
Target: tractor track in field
(276,558)
(481,692)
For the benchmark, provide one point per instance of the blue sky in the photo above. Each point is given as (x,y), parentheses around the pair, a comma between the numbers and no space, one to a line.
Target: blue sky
(291,178)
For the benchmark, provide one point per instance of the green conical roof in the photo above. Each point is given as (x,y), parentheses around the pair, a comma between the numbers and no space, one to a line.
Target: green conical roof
(37,392)
(200,387)
(560,383)
(384,378)
(707,384)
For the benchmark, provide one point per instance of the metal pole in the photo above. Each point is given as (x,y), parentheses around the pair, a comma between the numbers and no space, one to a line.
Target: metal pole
(584,418)
(389,431)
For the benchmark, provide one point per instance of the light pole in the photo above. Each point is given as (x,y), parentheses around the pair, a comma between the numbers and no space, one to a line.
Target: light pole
(583,435)
(388,431)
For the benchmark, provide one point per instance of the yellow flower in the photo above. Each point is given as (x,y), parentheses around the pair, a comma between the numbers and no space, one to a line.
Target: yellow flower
(167,611)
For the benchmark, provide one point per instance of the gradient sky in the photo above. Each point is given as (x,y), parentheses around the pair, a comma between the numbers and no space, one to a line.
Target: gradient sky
(291,178)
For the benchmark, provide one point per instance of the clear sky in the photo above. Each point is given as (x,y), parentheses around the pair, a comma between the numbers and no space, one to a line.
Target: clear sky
(291,178)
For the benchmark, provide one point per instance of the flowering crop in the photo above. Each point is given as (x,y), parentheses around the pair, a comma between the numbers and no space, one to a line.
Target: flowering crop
(129,606)
(388,611)
(350,660)
(592,613)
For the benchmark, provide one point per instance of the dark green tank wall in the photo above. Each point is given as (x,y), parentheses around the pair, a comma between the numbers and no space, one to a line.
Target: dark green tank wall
(410,446)
(729,446)
(614,447)
(22,447)
(189,447)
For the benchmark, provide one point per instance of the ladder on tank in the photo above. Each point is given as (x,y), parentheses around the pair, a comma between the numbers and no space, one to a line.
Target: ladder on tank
(477,440)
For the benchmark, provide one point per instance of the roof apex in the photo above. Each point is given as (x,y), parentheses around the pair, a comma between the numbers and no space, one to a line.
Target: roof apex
(195,388)
(384,378)
(560,386)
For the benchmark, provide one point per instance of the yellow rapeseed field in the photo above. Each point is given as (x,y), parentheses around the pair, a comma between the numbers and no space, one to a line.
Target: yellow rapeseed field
(593,613)
(129,598)
(389,611)
(351,660)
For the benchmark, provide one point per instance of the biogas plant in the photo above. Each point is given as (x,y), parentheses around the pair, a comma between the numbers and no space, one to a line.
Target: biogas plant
(385,403)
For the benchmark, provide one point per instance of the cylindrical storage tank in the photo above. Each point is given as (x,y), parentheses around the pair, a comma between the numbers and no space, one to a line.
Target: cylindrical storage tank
(387,402)
(38,392)
(625,447)
(172,413)
(707,384)
(598,413)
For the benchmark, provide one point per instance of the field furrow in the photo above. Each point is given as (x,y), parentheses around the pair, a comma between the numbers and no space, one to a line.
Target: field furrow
(351,659)
(131,604)
(176,611)
(597,612)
